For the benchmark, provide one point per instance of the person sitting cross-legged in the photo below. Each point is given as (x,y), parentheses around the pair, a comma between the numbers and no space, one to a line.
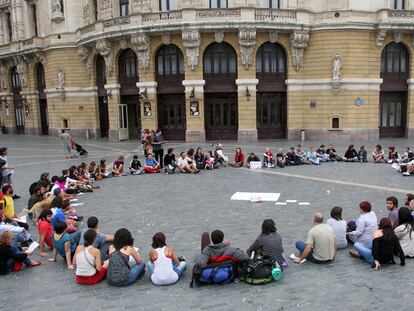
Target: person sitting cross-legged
(89,267)
(118,167)
(169,161)
(238,158)
(184,166)
(351,154)
(135,166)
(252,158)
(268,160)
(378,154)
(151,166)
(120,272)
(320,245)
(164,267)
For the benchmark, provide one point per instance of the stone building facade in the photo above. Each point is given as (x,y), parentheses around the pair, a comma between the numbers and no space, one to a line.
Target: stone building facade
(208,69)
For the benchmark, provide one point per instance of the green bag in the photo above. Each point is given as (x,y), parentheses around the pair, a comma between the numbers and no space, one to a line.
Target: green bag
(257,271)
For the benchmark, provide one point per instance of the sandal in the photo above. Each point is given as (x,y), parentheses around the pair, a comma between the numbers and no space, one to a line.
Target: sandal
(35,263)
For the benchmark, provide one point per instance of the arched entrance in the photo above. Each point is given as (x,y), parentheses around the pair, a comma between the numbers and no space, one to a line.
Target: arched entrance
(41,86)
(170,92)
(393,97)
(102,96)
(271,91)
(17,101)
(220,92)
(128,110)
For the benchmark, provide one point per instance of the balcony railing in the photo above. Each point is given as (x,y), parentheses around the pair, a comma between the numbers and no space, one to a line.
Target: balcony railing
(266,15)
(163,17)
(401,14)
(212,14)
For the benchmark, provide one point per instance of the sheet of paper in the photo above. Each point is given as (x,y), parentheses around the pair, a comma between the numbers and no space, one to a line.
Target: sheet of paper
(76,204)
(256,165)
(304,203)
(23,219)
(247,196)
(33,246)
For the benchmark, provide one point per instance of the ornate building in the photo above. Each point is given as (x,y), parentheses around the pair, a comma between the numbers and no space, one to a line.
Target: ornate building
(208,69)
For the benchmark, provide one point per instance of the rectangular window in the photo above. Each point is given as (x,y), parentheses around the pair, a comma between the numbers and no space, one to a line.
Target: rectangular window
(218,4)
(95,9)
(124,7)
(167,5)
(398,4)
(34,21)
(271,4)
(9,27)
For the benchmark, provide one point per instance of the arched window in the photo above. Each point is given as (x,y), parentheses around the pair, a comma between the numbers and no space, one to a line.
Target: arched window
(15,80)
(394,62)
(170,61)
(271,61)
(128,65)
(220,60)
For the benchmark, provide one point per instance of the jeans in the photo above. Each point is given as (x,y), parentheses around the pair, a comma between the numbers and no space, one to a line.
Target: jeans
(135,272)
(178,269)
(300,245)
(12,261)
(365,251)
(159,157)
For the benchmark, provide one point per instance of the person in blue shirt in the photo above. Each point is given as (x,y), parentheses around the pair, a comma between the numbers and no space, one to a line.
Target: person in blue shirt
(151,166)
(63,244)
(157,142)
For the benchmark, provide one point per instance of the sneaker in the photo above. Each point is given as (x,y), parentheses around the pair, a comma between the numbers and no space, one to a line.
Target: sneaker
(15,197)
(406,174)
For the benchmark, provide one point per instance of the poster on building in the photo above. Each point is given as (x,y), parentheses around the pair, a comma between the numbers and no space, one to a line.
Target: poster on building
(147,109)
(194,108)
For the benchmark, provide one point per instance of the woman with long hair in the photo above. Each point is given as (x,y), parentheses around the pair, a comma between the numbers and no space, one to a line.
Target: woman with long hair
(404,231)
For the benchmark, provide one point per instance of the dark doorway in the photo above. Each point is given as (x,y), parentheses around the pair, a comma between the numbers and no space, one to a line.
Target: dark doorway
(220,92)
(102,97)
(170,90)
(221,120)
(17,101)
(271,99)
(393,97)
(41,86)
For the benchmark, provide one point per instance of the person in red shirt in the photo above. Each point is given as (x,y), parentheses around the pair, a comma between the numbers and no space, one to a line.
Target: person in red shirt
(238,158)
(45,231)
(268,158)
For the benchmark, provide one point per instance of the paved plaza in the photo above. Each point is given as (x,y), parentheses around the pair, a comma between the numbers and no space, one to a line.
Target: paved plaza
(183,206)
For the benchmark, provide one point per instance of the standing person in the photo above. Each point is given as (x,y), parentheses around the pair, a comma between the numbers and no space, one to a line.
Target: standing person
(392,206)
(169,161)
(339,227)
(120,273)
(378,154)
(67,143)
(320,245)
(164,266)
(157,147)
(89,267)
(7,169)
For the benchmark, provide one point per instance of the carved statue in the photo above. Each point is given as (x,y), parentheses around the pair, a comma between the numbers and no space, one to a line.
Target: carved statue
(247,41)
(336,67)
(21,68)
(141,44)
(61,78)
(2,77)
(299,41)
(104,48)
(87,56)
(57,6)
(191,42)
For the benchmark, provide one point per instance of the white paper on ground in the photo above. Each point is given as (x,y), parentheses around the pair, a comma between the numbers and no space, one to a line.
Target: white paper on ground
(77,204)
(395,166)
(74,200)
(291,201)
(33,246)
(247,196)
(304,203)
(23,219)
(280,203)
(255,165)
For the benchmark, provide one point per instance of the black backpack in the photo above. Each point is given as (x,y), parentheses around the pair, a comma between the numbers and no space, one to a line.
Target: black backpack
(257,271)
(213,273)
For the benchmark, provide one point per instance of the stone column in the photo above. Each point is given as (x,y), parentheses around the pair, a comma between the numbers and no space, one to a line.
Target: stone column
(246,89)
(148,90)
(1,27)
(19,20)
(114,99)
(194,93)
(410,109)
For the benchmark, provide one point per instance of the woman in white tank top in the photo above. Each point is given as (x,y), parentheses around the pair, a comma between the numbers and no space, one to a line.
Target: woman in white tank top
(164,267)
(89,267)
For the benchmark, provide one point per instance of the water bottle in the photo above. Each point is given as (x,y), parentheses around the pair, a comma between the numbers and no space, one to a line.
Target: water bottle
(277,274)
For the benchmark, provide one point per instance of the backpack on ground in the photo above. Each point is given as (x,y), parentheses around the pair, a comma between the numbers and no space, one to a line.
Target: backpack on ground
(257,271)
(215,273)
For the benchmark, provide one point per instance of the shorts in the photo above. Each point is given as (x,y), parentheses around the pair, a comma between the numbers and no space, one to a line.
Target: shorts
(67,149)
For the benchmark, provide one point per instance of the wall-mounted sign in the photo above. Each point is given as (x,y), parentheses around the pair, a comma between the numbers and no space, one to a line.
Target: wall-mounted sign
(147,108)
(359,102)
(194,108)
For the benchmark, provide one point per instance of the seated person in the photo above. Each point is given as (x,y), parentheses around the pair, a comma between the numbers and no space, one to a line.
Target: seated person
(339,227)
(362,155)
(312,157)
(218,251)
(393,156)
(45,231)
(392,207)
(164,267)
(219,154)
(268,158)
(269,244)
(63,244)
(151,166)
(252,158)
(404,231)
(366,224)
(101,240)
(378,154)
(191,161)
(184,166)
(118,167)
(37,196)
(320,244)
(238,158)
(8,207)
(135,166)
(169,161)
(291,158)
(20,234)
(199,159)
(102,170)
(89,267)
(280,158)
(210,162)
(301,154)
(12,257)
(333,156)
(119,272)
(351,154)
(384,245)
(408,156)
(321,152)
